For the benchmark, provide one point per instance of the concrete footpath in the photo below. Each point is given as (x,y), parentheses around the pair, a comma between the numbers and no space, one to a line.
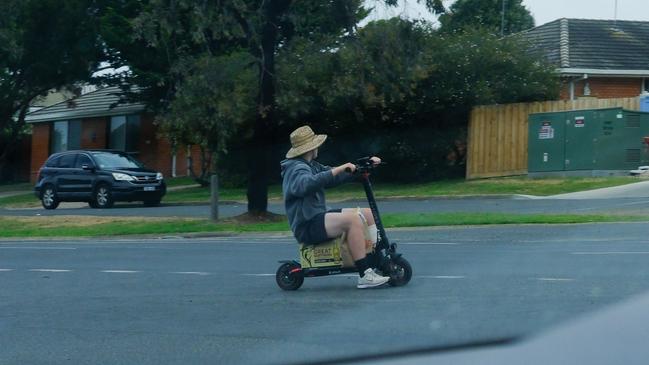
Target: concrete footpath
(636,190)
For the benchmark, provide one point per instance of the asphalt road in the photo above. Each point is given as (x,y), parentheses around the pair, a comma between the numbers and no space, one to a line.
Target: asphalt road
(473,205)
(214,301)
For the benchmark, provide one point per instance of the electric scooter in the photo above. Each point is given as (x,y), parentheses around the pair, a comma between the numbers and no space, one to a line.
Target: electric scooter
(382,257)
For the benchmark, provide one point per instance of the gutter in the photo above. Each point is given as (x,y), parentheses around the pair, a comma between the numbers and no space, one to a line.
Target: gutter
(570,71)
(75,114)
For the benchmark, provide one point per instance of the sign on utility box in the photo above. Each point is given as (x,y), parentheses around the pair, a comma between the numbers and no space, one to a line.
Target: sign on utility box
(591,142)
(644,103)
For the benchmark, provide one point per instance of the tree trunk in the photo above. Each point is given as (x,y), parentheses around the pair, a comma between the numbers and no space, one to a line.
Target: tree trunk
(4,164)
(259,159)
(13,140)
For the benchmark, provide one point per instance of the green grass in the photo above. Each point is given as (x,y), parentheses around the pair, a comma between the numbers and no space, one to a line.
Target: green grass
(497,186)
(179,181)
(462,219)
(71,226)
(20,201)
(16,187)
(202,195)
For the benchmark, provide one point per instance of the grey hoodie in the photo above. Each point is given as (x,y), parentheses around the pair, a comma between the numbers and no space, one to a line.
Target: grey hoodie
(303,185)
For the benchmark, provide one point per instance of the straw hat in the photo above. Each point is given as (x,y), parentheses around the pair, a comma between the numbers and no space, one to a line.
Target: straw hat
(304,140)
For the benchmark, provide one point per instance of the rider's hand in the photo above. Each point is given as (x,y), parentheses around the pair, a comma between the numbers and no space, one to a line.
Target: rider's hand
(344,168)
(375,160)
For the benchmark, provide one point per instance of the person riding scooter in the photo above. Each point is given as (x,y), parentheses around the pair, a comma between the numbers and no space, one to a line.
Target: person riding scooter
(303,184)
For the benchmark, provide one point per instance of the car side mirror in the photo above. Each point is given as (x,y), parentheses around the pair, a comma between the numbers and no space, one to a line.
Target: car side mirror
(87,167)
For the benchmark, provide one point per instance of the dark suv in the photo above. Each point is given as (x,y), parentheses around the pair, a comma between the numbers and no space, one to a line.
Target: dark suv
(97,177)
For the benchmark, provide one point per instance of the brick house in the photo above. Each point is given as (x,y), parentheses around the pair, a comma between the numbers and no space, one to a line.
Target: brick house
(92,121)
(596,58)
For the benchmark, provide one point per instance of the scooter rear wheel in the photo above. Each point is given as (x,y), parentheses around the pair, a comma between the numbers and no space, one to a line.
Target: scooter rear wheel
(288,280)
(400,272)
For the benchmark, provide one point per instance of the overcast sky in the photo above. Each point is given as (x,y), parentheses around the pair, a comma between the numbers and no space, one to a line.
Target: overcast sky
(544,11)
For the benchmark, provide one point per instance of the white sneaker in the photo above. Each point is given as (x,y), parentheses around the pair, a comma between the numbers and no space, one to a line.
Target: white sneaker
(371,280)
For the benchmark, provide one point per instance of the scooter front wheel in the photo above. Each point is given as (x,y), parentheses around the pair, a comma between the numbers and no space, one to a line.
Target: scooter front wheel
(288,280)
(400,272)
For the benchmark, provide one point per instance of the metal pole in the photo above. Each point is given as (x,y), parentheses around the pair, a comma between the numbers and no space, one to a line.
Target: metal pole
(214,198)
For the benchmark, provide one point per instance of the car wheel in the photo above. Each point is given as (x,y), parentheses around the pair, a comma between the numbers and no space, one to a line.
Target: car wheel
(49,198)
(103,197)
(152,202)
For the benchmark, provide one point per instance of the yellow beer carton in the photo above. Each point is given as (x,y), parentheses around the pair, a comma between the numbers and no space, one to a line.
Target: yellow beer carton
(332,253)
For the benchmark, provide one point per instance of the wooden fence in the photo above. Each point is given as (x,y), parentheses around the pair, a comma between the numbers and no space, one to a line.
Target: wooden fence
(497,141)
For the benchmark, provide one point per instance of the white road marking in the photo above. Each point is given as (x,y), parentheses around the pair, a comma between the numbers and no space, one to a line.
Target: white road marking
(190,273)
(37,248)
(585,240)
(50,270)
(5,270)
(120,271)
(554,279)
(612,253)
(429,243)
(258,274)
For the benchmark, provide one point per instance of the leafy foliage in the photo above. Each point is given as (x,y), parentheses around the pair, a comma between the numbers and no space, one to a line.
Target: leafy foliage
(487,14)
(404,90)
(44,45)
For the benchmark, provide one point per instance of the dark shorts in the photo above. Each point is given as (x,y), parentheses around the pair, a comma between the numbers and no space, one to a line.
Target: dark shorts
(313,231)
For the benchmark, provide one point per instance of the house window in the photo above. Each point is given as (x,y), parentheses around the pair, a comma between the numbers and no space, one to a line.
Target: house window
(66,135)
(125,133)
(645,85)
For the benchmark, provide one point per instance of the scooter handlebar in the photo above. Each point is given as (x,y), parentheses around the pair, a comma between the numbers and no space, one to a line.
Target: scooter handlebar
(364,164)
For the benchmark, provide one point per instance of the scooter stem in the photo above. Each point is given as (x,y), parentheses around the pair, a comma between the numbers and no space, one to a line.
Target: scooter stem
(367,185)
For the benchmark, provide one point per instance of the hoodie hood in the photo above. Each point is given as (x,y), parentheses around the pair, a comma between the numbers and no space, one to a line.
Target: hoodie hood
(290,163)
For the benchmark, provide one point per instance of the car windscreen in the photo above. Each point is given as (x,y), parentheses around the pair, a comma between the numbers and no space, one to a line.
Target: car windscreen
(115,161)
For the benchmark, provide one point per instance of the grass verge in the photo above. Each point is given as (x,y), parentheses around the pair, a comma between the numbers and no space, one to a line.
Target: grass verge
(16,187)
(499,186)
(76,226)
(27,200)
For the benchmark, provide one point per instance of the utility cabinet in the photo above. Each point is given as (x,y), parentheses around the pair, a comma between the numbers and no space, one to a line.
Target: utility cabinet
(587,142)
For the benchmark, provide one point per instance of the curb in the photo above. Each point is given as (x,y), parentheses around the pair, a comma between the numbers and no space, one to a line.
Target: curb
(288,234)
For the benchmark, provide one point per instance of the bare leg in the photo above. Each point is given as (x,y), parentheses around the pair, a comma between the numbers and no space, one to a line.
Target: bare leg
(349,222)
(367,213)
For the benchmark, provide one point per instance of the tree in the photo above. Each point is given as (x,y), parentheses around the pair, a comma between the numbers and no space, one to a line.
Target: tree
(209,105)
(487,14)
(177,33)
(406,89)
(44,45)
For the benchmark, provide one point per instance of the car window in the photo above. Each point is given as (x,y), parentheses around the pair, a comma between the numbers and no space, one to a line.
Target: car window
(107,160)
(67,161)
(83,160)
(53,161)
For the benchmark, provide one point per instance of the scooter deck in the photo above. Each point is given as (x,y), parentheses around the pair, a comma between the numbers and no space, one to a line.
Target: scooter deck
(325,271)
